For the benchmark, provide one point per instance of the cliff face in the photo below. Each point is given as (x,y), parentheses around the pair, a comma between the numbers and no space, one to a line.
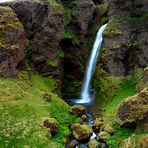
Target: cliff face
(61,34)
(12,42)
(126,37)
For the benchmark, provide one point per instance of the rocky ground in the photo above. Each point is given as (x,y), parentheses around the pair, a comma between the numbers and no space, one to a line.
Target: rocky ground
(44,47)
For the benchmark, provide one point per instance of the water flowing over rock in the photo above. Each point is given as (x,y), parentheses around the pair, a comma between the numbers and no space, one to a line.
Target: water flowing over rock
(87,94)
(12,42)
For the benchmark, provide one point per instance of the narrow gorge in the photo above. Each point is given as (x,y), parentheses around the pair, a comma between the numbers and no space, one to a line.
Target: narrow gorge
(73,73)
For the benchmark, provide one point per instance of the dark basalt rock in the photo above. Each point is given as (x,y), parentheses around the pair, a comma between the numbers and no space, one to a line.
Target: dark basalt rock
(12,42)
(126,37)
(44,28)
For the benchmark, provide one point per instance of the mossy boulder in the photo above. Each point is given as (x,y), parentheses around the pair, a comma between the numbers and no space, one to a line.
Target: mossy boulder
(108,128)
(98,122)
(134,110)
(73,143)
(12,42)
(143,141)
(81,132)
(103,135)
(52,124)
(78,110)
(128,143)
(93,144)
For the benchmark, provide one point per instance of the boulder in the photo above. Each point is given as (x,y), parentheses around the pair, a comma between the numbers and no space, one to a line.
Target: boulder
(12,42)
(73,143)
(78,110)
(134,110)
(44,28)
(93,144)
(128,143)
(98,122)
(83,118)
(103,135)
(144,141)
(52,124)
(47,97)
(108,128)
(81,132)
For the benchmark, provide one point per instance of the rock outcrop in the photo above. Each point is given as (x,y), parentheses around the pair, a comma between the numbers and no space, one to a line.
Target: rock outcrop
(133,111)
(44,28)
(81,132)
(126,37)
(52,124)
(12,42)
(78,110)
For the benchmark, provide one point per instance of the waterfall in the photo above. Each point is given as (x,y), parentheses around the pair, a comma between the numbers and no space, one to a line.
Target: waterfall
(86,92)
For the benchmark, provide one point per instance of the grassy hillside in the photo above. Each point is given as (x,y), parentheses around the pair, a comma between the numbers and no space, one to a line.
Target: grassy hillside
(23,110)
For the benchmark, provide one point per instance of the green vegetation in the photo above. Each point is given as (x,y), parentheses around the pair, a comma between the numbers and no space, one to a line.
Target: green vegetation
(115,90)
(138,20)
(72,36)
(120,134)
(113,27)
(23,110)
(56,7)
(61,54)
(53,63)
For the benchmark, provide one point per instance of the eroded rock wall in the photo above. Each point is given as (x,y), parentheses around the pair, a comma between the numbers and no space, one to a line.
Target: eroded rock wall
(12,42)
(126,37)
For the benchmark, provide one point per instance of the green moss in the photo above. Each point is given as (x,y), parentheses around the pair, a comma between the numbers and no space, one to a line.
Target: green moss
(71,89)
(53,63)
(113,27)
(61,54)
(23,109)
(56,6)
(138,20)
(103,8)
(120,134)
(72,36)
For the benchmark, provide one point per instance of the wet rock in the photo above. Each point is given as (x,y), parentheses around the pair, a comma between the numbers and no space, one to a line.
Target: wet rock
(73,143)
(12,42)
(84,117)
(108,128)
(78,110)
(93,144)
(128,143)
(134,109)
(47,97)
(81,132)
(52,124)
(98,122)
(103,135)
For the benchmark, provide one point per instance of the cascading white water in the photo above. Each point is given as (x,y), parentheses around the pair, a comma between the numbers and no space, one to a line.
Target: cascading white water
(86,96)
(3,1)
